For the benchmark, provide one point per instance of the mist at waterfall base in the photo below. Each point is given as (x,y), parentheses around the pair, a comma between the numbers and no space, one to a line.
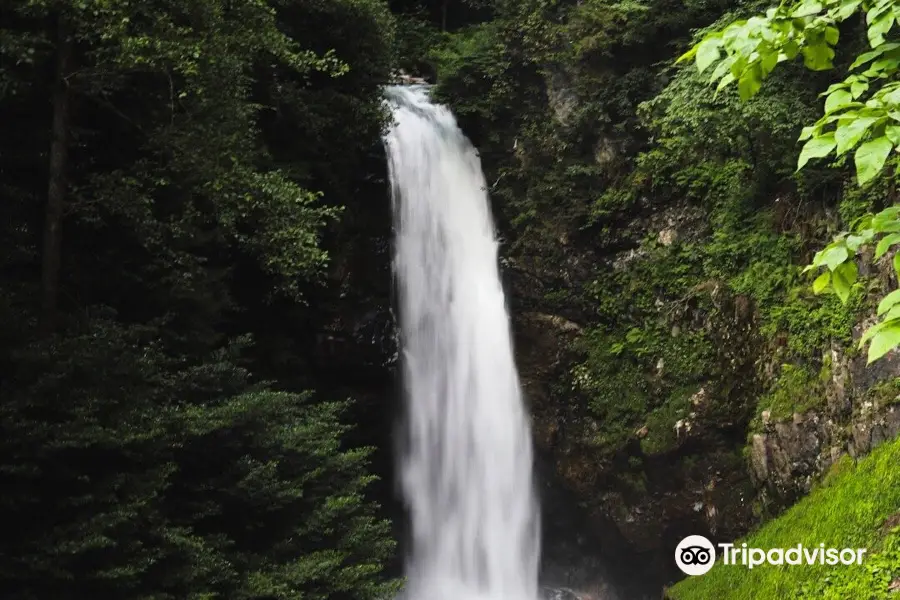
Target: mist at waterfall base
(466,472)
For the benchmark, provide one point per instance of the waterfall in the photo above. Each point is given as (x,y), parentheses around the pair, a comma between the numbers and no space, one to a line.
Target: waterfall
(466,469)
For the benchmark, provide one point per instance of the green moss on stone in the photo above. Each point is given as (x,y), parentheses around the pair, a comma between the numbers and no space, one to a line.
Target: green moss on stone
(796,390)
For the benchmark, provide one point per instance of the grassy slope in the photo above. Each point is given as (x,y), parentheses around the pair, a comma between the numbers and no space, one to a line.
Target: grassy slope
(849,510)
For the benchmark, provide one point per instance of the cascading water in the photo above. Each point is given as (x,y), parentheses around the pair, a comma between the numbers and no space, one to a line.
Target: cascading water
(467,467)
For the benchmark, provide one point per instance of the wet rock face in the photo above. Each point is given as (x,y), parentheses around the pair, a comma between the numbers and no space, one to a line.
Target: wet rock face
(542,348)
(871,431)
(710,478)
(563,593)
(582,555)
(861,411)
(560,97)
(638,514)
(401,77)
(787,455)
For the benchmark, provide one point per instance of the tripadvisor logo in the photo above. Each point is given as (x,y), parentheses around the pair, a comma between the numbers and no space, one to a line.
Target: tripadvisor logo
(696,555)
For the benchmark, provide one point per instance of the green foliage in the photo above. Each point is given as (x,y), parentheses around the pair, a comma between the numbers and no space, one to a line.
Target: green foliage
(728,156)
(860,112)
(661,435)
(174,479)
(872,582)
(849,512)
(642,378)
(754,47)
(471,60)
(841,275)
(796,390)
(149,450)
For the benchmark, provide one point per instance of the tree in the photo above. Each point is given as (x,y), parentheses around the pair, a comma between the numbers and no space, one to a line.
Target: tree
(149,449)
(133,474)
(861,112)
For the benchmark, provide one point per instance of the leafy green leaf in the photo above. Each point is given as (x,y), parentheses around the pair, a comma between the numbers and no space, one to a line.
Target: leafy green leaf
(840,85)
(807,132)
(869,333)
(837,99)
(867,56)
(855,241)
(708,52)
(886,217)
(892,132)
(845,9)
(879,27)
(884,341)
(817,147)
(888,301)
(749,83)
(791,49)
(817,57)
(807,8)
(723,67)
(850,131)
(843,279)
(728,78)
(870,158)
(687,55)
(822,282)
(885,243)
(835,256)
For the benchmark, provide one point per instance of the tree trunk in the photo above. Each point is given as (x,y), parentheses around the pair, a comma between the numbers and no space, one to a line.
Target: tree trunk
(56,191)
(444,15)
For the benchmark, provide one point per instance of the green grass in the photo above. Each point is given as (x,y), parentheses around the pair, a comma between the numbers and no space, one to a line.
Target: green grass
(848,510)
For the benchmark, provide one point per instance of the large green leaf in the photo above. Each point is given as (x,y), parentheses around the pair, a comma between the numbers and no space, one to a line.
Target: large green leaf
(893,133)
(817,57)
(889,302)
(884,341)
(817,147)
(850,131)
(834,256)
(822,282)
(858,88)
(879,27)
(885,243)
(837,99)
(867,56)
(749,83)
(845,9)
(870,158)
(843,279)
(807,8)
(708,52)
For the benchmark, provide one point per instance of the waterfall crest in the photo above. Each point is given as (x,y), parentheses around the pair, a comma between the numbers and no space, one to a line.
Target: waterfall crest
(466,470)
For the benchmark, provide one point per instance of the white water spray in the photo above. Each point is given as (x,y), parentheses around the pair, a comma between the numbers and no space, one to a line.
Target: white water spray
(467,468)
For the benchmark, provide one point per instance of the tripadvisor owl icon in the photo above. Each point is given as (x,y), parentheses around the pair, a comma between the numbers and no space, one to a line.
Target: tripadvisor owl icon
(695,555)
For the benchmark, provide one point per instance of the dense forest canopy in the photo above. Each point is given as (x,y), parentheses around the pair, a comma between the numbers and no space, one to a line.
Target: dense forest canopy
(169,173)
(195,214)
